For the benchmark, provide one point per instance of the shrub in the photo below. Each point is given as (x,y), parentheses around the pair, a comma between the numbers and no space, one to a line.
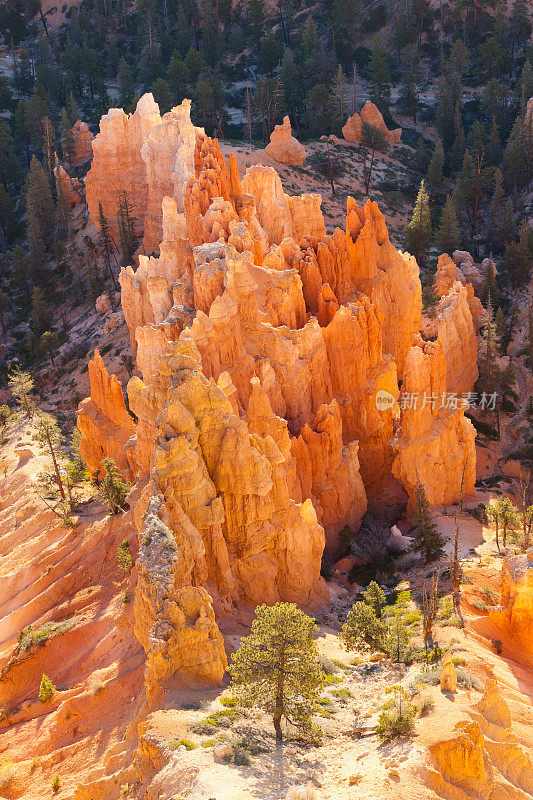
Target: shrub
(46,689)
(397,715)
(124,557)
(425,704)
(240,756)
(229,702)
(56,783)
(327,665)
(203,728)
(498,646)
(186,743)
(8,771)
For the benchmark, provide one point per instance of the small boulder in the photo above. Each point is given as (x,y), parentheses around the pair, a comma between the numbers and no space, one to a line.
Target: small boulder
(222,750)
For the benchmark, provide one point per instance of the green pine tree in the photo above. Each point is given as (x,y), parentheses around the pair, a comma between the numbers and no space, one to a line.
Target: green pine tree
(339,90)
(126,228)
(21,386)
(107,244)
(68,146)
(435,174)
(46,689)
(379,75)
(113,490)
(41,313)
(276,667)
(418,231)
(427,539)
(40,210)
(448,236)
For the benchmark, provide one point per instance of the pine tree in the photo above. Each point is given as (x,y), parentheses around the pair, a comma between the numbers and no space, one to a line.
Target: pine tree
(501,328)
(22,270)
(525,85)
(107,243)
(50,440)
(422,157)
(435,174)
(40,210)
(113,490)
(49,143)
(6,210)
(62,204)
(41,314)
(21,386)
(126,228)
(418,231)
(500,226)
(72,110)
(427,539)
(68,146)
(515,164)
(48,344)
(339,89)
(46,689)
(256,13)
(489,348)
(459,143)
(448,236)
(276,667)
(125,82)
(379,76)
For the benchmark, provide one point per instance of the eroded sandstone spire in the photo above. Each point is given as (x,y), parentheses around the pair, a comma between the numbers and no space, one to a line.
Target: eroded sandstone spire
(266,347)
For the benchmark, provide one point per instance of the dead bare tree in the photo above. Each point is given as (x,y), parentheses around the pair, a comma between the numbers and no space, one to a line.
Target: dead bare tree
(430,606)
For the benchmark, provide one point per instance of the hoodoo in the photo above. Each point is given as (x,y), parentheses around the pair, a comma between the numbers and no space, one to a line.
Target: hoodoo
(263,343)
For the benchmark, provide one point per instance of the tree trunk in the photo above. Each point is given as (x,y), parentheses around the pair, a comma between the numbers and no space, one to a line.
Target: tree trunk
(56,468)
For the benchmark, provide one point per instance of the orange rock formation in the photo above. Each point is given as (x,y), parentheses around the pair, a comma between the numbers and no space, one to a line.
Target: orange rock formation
(353,128)
(283,147)
(83,150)
(436,442)
(117,165)
(148,157)
(516,612)
(456,333)
(263,343)
(446,275)
(103,420)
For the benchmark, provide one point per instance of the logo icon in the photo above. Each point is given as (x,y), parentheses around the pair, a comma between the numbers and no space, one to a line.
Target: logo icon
(384,400)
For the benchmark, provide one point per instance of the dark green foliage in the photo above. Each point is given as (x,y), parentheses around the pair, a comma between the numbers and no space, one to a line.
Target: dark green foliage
(276,667)
(418,231)
(427,539)
(113,489)
(448,235)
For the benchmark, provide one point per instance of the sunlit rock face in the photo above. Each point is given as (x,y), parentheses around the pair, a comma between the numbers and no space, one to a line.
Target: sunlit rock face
(283,147)
(515,615)
(266,400)
(353,129)
(104,422)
